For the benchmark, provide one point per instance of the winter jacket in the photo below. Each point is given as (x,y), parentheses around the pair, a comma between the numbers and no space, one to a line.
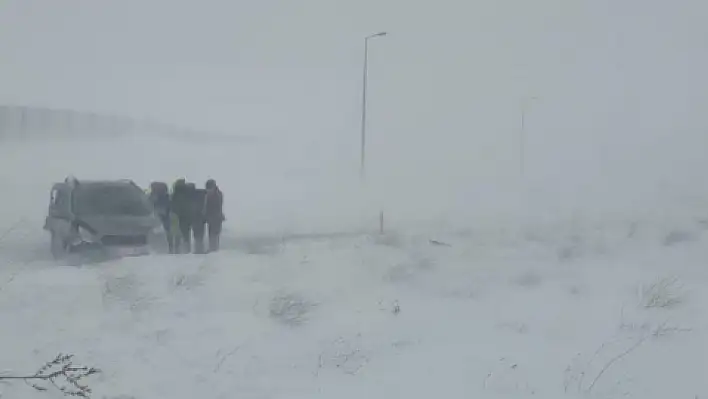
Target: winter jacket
(214,206)
(196,205)
(160,199)
(179,202)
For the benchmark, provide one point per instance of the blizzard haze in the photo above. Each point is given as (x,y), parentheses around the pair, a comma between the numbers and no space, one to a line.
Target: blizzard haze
(618,125)
(581,275)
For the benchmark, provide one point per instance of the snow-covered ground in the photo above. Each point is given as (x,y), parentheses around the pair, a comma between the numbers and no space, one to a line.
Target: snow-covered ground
(601,308)
(374,316)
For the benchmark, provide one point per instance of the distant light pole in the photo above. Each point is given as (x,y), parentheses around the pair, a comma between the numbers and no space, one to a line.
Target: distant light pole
(362,171)
(525,102)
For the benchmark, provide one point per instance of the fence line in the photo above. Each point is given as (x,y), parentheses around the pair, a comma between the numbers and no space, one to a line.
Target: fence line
(28,122)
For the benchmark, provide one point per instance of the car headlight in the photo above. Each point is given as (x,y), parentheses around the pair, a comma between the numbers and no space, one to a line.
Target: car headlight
(86,236)
(157,230)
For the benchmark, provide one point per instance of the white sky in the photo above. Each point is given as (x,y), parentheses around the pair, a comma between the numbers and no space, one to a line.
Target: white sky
(621,84)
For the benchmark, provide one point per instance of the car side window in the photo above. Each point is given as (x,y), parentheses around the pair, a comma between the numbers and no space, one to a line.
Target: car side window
(59,200)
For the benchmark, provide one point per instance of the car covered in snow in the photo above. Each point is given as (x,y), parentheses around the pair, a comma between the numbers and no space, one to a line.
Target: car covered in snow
(112,218)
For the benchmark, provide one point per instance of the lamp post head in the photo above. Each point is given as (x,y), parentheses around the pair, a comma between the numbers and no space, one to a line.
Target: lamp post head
(377,35)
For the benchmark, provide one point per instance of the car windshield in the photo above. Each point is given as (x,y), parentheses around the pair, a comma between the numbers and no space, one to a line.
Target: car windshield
(110,200)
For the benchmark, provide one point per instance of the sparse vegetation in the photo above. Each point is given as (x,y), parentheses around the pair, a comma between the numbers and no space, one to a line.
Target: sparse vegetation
(60,373)
(664,293)
(344,355)
(290,309)
(528,279)
(677,237)
(583,375)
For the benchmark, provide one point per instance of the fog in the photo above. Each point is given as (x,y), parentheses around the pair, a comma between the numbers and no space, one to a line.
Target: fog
(618,126)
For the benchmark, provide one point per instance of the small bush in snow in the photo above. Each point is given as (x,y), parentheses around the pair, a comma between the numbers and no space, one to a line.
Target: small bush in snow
(344,355)
(571,249)
(677,237)
(528,279)
(188,281)
(290,309)
(62,374)
(585,373)
(664,293)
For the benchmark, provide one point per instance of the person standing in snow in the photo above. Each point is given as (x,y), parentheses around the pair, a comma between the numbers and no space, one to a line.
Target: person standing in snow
(160,198)
(214,213)
(197,196)
(179,205)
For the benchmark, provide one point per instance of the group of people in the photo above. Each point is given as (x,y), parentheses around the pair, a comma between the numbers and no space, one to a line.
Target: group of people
(187,213)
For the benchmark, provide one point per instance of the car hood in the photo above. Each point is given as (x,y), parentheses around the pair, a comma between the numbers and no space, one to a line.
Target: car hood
(120,225)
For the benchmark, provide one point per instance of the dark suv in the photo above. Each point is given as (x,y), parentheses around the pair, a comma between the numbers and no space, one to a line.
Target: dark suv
(114,217)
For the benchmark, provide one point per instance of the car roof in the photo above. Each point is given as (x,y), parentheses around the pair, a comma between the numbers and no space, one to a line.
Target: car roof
(99,183)
(104,182)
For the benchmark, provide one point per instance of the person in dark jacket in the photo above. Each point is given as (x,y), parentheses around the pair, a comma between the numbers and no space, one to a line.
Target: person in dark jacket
(196,216)
(214,213)
(160,198)
(180,206)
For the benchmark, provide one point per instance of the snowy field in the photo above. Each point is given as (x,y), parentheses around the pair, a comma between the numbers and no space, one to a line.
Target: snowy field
(591,308)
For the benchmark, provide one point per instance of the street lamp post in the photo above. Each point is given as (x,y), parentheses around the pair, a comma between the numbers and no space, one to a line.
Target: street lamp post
(362,171)
(522,134)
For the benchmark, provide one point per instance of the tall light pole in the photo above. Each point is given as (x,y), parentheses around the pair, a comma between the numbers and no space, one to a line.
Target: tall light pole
(362,171)
(525,102)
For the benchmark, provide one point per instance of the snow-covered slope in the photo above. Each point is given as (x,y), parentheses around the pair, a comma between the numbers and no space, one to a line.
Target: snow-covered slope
(376,317)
